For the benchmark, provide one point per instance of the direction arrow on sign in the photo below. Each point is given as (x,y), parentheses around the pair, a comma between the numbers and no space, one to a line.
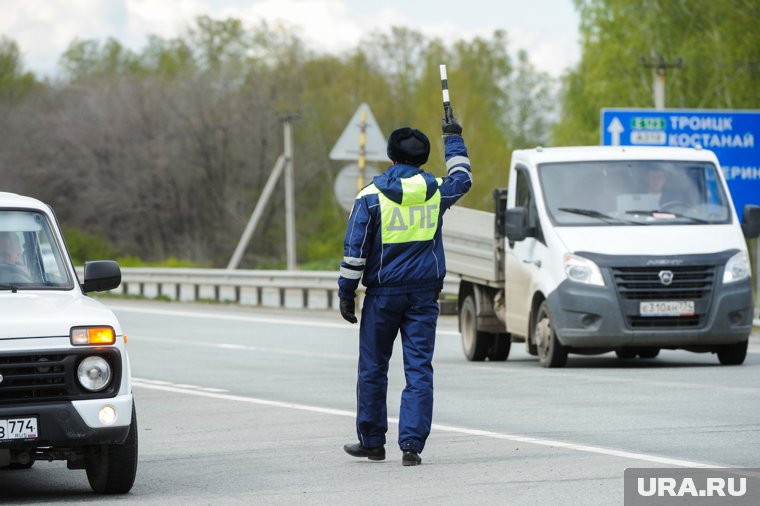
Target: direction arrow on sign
(615,129)
(347,147)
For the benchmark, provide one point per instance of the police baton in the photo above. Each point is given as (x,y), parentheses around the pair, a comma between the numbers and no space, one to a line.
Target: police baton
(445,91)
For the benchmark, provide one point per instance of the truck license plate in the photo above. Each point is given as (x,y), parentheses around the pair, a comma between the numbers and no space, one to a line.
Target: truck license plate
(18,428)
(667,308)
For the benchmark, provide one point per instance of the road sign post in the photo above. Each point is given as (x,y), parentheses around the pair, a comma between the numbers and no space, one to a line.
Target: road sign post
(361,141)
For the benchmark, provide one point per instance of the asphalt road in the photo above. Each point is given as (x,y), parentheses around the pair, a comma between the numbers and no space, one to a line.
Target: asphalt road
(245,406)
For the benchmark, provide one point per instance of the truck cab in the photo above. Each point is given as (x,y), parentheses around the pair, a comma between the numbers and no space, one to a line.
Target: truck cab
(65,381)
(617,249)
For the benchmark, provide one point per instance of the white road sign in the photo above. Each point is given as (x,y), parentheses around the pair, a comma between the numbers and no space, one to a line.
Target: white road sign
(345,184)
(347,147)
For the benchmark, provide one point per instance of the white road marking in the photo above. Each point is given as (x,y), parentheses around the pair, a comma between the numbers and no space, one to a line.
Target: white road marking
(185,386)
(232,346)
(499,368)
(569,374)
(240,347)
(254,319)
(154,385)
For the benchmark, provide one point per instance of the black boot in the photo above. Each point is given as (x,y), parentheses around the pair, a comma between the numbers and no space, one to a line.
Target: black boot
(357,450)
(411,459)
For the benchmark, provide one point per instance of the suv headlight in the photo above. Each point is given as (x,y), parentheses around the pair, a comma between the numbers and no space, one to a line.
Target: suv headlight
(582,270)
(94,373)
(92,335)
(737,268)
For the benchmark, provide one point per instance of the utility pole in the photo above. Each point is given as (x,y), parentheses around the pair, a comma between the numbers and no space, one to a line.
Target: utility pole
(284,164)
(290,209)
(660,66)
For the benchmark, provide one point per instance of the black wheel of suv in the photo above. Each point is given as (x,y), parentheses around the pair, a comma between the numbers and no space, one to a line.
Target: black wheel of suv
(626,353)
(733,354)
(551,353)
(649,352)
(28,465)
(475,344)
(111,469)
(499,351)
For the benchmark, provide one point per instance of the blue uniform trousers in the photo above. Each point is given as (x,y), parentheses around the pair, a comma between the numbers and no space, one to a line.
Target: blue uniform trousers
(416,316)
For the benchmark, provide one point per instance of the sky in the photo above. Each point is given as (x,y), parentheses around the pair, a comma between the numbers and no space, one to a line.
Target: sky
(547,29)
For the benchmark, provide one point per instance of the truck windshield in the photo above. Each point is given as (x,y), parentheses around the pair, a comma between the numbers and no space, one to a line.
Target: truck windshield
(30,258)
(634,192)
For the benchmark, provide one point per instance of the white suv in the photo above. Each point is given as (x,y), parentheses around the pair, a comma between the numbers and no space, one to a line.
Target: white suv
(65,382)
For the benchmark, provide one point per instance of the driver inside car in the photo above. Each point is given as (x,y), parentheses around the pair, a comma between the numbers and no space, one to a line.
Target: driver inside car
(10,255)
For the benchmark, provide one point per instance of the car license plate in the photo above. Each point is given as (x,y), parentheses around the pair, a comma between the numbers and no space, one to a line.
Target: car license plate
(667,308)
(18,428)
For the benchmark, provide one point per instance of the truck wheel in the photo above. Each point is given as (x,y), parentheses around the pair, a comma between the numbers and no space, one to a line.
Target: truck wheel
(733,354)
(111,468)
(649,352)
(551,353)
(500,348)
(626,353)
(475,344)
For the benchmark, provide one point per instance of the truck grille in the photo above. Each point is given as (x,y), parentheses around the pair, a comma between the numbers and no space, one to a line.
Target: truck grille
(51,376)
(638,284)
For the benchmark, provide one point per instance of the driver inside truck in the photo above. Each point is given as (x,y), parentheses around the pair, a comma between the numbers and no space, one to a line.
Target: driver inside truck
(655,181)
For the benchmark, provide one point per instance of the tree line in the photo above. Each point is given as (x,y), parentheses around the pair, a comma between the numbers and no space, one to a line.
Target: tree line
(163,152)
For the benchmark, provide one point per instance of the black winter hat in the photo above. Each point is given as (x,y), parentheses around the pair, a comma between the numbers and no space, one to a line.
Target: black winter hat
(408,145)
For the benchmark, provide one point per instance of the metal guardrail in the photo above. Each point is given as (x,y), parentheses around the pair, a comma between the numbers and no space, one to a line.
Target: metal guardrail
(305,289)
(251,287)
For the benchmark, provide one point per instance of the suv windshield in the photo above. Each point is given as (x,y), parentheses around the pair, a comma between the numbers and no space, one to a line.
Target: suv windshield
(29,254)
(630,193)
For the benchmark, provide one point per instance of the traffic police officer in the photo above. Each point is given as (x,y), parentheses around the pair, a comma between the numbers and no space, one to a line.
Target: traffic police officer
(393,244)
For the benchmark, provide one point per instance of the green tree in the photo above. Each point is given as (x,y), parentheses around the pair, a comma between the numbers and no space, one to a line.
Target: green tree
(89,58)
(718,42)
(14,82)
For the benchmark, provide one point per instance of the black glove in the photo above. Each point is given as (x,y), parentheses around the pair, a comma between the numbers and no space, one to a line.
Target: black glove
(450,125)
(347,308)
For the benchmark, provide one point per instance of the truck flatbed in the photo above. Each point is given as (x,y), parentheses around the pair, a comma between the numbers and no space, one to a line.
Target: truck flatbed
(470,245)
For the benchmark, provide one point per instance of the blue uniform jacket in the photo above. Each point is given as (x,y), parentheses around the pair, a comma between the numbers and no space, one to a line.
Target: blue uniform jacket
(393,240)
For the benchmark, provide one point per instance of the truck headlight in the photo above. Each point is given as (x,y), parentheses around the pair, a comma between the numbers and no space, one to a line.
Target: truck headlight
(737,268)
(582,270)
(94,373)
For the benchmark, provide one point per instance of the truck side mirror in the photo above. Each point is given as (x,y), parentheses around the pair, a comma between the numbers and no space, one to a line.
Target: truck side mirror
(515,226)
(101,275)
(500,208)
(751,221)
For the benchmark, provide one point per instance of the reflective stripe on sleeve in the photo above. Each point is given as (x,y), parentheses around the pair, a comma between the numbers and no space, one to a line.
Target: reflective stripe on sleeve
(461,169)
(457,160)
(350,274)
(355,261)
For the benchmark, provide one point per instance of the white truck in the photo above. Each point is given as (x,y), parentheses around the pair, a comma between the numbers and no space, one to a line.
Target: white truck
(65,384)
(598,249)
